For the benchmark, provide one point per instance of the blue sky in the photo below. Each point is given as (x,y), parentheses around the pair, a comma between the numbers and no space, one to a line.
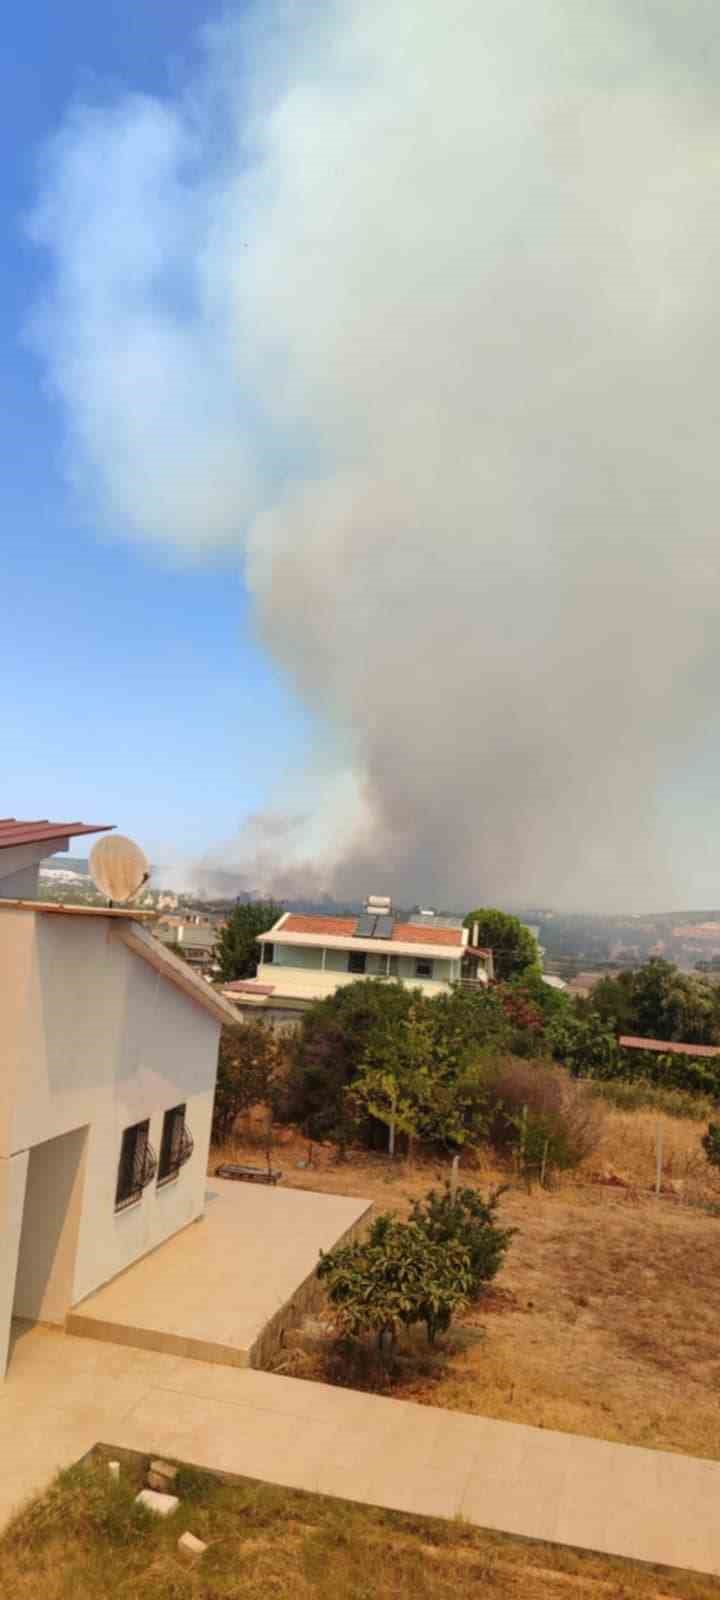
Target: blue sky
(133,690)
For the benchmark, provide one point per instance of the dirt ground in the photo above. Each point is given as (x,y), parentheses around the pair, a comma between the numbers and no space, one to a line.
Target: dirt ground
(604,1319)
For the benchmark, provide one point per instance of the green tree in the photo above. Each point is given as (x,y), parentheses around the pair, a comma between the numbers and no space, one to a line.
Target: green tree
(396,1080)
(236,950)
(471,1221)
(656,1001)
(513,946)
(250,1071)
(329,1050)
(396,1277)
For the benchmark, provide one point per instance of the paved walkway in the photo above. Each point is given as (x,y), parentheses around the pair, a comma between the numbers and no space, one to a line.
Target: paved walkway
(221,1289)
(64,1394)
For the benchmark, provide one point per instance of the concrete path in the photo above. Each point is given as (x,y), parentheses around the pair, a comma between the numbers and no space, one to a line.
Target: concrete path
(223,1288)
(63,1395)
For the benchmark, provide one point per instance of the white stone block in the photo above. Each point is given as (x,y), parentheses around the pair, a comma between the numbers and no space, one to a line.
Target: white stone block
(162,1505)
(190,1548)
(114,1469)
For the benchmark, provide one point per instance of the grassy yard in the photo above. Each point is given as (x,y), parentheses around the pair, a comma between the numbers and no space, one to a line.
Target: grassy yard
(86,1540)
(604,1319)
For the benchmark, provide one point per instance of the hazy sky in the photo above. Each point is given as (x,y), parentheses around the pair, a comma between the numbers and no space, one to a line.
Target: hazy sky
(380,346)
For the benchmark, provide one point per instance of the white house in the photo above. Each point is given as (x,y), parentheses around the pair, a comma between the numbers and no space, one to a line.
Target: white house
(108,1054)
(304,958)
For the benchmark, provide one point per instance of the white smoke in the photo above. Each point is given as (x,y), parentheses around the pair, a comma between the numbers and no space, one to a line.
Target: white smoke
(414,305)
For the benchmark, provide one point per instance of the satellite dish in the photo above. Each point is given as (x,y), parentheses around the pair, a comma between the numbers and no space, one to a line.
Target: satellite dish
(118,867)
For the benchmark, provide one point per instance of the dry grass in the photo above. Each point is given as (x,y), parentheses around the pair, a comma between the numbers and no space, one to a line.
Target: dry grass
(604,1319)
(83,1541)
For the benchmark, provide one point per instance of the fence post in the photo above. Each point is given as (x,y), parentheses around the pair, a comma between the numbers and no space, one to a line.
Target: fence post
(658,1157)
(454,1176)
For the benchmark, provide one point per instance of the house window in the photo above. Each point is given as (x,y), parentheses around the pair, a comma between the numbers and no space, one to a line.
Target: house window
(268,954)
(177,1145)
(138,1165)
(357,961)
(423,969)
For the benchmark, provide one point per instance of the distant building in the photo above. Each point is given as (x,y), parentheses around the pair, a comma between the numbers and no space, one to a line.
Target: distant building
(305,958)
(195,940)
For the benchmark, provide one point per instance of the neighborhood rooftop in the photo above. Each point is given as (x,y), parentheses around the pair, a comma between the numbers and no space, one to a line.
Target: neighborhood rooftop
(342,927)
(16,832)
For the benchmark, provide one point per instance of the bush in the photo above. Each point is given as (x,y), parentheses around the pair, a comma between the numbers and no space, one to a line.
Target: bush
(470,1221)
(711,1144)
(398,1276)
(639,1094)
(550,1122)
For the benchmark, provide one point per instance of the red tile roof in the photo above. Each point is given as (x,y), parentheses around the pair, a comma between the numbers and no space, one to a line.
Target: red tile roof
(343,927)
(338,925)
(13,832)
(416,933)
(631,1041)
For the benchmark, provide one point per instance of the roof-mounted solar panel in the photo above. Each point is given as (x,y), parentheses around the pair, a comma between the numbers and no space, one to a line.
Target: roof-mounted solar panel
(384,928)
(365,926)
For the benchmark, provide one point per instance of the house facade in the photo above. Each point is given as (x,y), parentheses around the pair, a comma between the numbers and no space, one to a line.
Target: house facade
(108,1056)
(305,958)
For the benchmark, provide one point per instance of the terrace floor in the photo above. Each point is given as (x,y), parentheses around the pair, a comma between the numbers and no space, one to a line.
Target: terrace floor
(63,1395)
(224,1289)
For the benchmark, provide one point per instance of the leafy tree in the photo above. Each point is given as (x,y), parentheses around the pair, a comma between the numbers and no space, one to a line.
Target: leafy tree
(471,1221)
(250,1071)
(514,946)
(657,1001)
(414,1081)
(329,1050)
(396,1277)
(396,1080)
(236,949)
(586,1045)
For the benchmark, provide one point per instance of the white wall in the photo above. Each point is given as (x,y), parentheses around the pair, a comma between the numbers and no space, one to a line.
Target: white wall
(91,1035)
(51,1217)
(12,1194)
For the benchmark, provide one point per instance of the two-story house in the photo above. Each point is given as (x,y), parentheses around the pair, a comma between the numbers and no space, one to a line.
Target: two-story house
(304,958)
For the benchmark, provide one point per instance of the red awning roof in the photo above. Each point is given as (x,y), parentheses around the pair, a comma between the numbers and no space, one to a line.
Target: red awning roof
(13,832)
(631,1041)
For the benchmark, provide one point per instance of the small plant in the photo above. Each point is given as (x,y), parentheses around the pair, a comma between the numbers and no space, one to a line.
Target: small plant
(711,1144)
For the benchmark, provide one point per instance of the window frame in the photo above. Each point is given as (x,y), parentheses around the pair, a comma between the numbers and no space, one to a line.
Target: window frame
(176,1144)
(360,956)
(137,1165)
(422,962)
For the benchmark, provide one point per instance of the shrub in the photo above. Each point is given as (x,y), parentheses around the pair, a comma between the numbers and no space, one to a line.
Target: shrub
(711,1144)
(398,1276)
(639,1094)
(470,1221)
(540,1114)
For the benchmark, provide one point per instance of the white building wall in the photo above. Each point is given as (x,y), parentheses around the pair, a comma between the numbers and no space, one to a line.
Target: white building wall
(91,1035)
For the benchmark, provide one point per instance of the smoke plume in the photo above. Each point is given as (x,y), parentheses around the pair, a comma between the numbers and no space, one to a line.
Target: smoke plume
(415,307)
